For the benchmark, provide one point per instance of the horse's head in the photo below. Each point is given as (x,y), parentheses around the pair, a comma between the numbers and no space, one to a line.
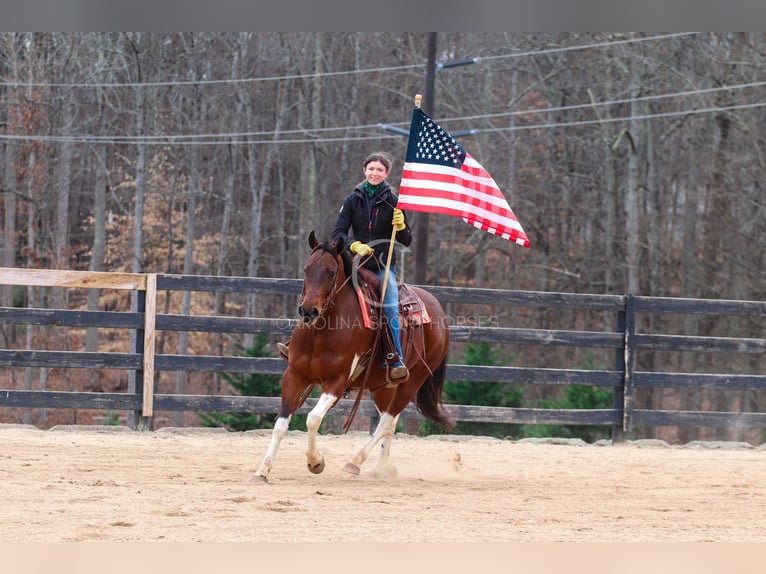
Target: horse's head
(324,273)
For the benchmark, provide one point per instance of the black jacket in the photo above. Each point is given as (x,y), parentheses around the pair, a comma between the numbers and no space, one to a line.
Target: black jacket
(369,218)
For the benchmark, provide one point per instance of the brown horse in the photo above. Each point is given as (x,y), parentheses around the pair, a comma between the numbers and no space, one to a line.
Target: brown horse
(327,346)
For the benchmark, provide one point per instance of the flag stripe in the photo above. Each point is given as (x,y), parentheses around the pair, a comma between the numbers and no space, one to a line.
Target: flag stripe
(457,208)
(453,181)
(439,176)
(464,202)
(473,173)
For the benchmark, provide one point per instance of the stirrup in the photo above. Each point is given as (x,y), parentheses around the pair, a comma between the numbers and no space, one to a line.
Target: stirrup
(396,376)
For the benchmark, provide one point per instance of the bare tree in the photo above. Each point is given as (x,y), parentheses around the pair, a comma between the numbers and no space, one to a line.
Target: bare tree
(134,41)
(99,159)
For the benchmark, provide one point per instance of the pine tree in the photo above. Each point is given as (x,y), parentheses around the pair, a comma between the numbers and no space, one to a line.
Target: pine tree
(251,385)
(482,393)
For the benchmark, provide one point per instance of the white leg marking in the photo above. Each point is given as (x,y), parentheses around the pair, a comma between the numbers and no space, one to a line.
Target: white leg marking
(385,444)
(313,421)
(279,432)
(386,427)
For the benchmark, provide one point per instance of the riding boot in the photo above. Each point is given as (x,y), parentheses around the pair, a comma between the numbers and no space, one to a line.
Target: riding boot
(284,350)
(398,372)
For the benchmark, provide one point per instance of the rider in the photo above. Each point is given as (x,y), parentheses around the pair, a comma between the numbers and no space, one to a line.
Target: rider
(370,212)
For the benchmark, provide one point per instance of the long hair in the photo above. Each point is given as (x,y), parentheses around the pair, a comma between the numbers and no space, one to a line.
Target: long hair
(428,399)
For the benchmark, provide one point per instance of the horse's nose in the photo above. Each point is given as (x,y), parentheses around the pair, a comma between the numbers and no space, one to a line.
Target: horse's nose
(308,315)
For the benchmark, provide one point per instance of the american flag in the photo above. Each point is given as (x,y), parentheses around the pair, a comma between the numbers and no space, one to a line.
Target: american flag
(439,176)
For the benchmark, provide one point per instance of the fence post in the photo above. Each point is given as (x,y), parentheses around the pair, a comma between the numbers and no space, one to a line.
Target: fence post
(146,303)
(618,393)
(630,361)
(150,313)
(138,374)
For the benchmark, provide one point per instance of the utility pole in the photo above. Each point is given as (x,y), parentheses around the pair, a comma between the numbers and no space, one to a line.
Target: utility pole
(423,218)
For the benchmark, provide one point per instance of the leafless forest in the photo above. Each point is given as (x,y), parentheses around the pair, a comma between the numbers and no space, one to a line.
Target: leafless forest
(633,162)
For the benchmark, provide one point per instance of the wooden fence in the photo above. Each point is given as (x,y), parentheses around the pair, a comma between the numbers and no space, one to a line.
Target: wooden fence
(623,340)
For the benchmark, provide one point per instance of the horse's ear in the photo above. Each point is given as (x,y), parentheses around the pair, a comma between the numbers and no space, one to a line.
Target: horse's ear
(312,240)
(340,245)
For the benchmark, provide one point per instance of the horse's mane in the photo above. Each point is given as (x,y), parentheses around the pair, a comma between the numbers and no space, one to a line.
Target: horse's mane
(348,263)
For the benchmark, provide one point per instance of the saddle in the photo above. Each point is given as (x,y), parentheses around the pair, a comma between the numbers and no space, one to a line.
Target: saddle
(412,310)
(412,314)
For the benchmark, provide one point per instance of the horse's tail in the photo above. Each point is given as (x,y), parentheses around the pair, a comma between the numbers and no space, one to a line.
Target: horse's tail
(429,398)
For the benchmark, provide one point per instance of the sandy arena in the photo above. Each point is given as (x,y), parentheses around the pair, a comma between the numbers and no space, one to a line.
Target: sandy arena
(183,485)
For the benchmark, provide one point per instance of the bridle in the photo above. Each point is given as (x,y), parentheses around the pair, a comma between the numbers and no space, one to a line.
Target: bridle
(329,301)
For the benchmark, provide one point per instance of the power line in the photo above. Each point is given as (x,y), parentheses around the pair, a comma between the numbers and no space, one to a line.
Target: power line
(172,137)
(136,141)
(179,83)
(591,105)
(206,138)
(170,140)
(588,46)
(627,118)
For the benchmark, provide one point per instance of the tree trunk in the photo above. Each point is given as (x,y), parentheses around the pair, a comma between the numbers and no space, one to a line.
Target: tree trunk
(99,222)
(9,221)
(258,189)
(309,186)
(632,208)
(690,399)
(9,187)
(138,215)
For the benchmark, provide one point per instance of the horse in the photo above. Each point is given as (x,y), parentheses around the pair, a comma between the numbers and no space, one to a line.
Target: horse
(329,345)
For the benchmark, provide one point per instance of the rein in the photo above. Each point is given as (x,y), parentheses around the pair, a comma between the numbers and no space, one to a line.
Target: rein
(329,301)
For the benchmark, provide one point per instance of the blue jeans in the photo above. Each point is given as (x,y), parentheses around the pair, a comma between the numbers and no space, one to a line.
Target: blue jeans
(391,305)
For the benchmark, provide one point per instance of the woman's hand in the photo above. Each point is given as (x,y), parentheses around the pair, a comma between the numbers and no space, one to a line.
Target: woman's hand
(398,219)
(362,249)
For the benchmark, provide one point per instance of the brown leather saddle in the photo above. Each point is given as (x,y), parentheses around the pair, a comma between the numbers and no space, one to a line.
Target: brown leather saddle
(412,310)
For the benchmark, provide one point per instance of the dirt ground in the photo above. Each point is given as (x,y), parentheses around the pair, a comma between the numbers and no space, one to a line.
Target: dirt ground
(185,485)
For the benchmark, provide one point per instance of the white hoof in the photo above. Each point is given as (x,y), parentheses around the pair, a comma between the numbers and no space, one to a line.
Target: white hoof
(351,468)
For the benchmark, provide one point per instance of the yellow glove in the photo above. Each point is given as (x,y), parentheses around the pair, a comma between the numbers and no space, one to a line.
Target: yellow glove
(361,248)
(398,220)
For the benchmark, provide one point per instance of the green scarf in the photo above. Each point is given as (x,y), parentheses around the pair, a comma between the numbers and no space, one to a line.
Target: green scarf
(371,189)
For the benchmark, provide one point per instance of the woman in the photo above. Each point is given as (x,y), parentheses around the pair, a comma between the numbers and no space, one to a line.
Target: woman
(370,213)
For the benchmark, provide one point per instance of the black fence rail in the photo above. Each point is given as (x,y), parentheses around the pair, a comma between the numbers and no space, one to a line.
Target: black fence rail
(623,341)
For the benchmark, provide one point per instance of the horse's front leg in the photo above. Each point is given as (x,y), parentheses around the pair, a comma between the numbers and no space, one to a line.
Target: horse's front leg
(314,458)
(279,432)
(292,389)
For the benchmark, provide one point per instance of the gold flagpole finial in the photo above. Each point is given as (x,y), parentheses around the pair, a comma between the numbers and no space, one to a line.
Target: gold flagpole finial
(418,99)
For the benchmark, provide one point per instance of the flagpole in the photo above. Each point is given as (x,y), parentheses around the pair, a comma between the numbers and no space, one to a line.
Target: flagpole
(418,100)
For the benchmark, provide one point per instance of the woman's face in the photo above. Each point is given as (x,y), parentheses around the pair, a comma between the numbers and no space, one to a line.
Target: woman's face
(375,172)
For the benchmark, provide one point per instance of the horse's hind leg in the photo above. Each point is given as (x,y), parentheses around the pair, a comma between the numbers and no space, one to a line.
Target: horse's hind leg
(385,445)
(386,427)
